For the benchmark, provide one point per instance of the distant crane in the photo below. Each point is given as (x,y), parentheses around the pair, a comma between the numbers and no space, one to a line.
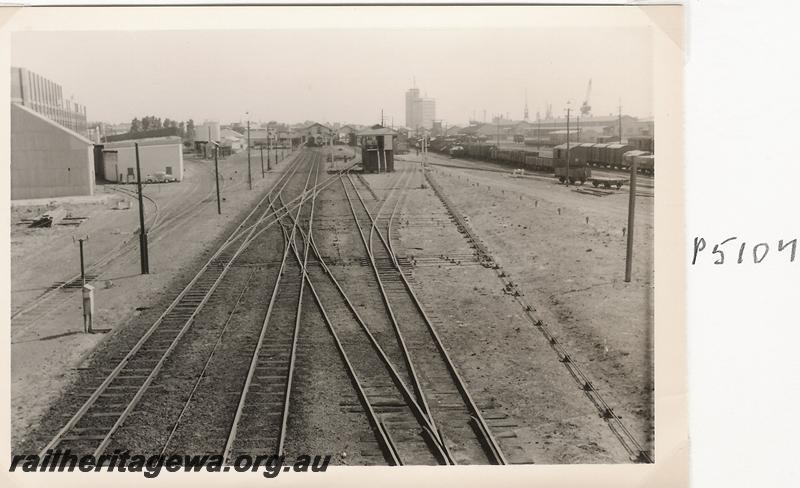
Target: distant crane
(586,109)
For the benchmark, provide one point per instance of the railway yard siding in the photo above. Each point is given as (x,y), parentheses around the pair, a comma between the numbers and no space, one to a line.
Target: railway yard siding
(572,273)
(400,344)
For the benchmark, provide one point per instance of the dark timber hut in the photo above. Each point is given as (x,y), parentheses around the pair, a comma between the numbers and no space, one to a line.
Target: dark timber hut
(377,154)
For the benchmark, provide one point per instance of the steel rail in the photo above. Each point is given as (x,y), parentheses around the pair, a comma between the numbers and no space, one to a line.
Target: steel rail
(131,193)
(117,252)
(436,434)
(299,312)
(625,437)
(293,201)
(135,349)
(395,375)
(154,372)
(635,451)
(202,374)
(487,439)
(286,212)
(105,259)
(421,399)
(210,357)
(384,295)
(387,444)
(254,360)
(494,449)
(368,247)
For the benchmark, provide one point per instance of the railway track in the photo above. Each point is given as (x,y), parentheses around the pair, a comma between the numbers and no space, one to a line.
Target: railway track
(55,296)
(418,408)
(91,428)
(208,407)
(463,432)
(392,411)
(259,424)
(635,450)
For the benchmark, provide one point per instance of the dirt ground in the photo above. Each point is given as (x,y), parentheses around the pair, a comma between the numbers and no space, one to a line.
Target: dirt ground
(45,355)
(570,268)
(572,271)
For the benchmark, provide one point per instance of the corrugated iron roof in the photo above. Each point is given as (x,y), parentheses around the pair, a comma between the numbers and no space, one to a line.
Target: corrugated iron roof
(69,131)
(153,141)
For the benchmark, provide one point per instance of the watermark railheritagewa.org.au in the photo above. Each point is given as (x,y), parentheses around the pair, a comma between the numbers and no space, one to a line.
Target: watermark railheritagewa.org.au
(122,461)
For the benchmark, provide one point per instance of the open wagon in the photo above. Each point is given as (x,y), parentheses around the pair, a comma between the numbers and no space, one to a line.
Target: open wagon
(608,182)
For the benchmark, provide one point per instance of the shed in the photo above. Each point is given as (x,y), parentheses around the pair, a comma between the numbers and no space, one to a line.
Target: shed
(156,155)
(47,159)
(377,149)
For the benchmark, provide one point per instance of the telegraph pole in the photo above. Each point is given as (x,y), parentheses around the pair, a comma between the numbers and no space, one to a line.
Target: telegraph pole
(620,121)
(567,178)
(631,212)
(216,175)
(88,294)
(261,148)
(249,172)
(143,257)
(83,273)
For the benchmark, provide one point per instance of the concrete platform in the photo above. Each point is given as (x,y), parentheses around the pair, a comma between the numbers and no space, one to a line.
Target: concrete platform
(78,199)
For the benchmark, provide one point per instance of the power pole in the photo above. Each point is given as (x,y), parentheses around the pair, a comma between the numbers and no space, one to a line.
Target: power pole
(261,148)
(83,273)
(216,175)
(143,255)
(620,122)
(631,212)
(567,177)
(249,172)
(88,294)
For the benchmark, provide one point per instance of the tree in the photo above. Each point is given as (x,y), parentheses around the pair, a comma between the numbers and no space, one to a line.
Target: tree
(182,130)
(167,123)
(190,129)
(136,125)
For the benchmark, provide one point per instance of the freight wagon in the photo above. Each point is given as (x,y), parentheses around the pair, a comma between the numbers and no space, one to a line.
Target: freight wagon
(601,155)
(578,170)
(645,164)
(642,143)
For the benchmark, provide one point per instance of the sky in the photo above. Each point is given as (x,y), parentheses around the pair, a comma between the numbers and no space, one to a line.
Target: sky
(346,76)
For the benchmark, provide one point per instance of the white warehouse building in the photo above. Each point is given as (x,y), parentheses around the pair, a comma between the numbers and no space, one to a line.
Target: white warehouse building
(156,155)
(206,129)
